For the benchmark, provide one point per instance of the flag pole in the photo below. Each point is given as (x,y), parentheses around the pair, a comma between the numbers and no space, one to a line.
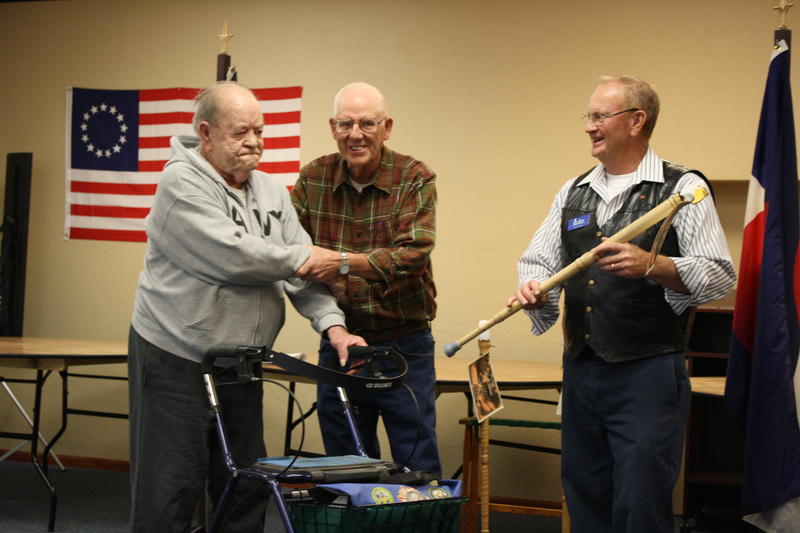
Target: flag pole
(224,69)
(783,32)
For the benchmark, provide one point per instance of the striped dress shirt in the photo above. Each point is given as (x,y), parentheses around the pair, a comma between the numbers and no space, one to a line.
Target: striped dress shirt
(705,267)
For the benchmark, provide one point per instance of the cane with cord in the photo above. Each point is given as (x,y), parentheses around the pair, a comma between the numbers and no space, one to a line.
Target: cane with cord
(664,210)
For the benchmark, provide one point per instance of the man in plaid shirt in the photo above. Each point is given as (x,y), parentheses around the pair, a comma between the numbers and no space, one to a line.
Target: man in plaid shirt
(371,214)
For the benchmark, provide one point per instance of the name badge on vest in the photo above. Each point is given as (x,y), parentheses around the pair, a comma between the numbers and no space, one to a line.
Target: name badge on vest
(578,222)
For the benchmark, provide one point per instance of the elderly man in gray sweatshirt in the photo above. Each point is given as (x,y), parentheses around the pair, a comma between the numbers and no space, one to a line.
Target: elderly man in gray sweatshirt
(224,246)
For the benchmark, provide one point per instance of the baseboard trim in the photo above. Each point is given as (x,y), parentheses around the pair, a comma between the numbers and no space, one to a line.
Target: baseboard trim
(77,461)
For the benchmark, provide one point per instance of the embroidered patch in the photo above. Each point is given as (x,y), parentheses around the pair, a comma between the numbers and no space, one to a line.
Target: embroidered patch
(382,495)
(439,492)
(410,494)
(578,222)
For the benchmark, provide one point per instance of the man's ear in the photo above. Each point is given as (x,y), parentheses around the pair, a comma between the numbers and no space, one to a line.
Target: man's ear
(388,123)
(333,128)
(639,120)
(204,131)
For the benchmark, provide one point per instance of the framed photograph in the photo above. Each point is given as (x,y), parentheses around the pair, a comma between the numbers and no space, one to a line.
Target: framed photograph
(486,398)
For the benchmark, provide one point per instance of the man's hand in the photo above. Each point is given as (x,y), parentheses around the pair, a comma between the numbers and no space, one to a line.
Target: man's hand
(630,261)
(322,265)
(622,259)
(529,295)
(341,340)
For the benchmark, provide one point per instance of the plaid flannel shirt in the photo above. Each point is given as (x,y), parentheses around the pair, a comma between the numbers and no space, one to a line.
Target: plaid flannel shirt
(392,221)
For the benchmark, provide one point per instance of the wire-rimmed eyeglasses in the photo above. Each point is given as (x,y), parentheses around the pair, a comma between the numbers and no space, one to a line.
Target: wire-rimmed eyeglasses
(598,118)
(366,125)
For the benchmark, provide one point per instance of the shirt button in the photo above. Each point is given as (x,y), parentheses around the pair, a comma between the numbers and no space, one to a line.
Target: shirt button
(586,337)
(588,308)
(591,283)
(599,234)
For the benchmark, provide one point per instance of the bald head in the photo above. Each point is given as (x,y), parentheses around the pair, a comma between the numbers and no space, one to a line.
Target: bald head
(358,90)
(213,97)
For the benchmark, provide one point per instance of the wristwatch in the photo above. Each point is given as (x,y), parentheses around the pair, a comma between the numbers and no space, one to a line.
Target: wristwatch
(344,266)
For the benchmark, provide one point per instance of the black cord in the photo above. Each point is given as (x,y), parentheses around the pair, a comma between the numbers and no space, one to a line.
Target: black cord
(244,498)
(404,465)
(302,424)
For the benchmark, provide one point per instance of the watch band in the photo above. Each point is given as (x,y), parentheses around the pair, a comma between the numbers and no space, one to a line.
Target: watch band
(344,266)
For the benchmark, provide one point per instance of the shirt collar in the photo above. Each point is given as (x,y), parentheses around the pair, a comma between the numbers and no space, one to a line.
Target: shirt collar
(382,178)
(650,168)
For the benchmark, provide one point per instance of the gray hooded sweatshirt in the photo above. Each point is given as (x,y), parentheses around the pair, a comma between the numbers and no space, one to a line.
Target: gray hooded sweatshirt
(209,280)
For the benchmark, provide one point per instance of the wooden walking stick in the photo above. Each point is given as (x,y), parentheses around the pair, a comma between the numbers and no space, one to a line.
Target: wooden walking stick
(638,226)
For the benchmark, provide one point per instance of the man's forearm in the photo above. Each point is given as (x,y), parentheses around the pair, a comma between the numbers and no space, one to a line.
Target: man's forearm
(665,273)
(361,267)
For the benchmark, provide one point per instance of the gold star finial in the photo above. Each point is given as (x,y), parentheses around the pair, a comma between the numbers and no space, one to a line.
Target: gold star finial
(783,8)
(224,37)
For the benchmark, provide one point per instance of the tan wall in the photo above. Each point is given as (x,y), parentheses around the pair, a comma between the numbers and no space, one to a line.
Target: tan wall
(487,93)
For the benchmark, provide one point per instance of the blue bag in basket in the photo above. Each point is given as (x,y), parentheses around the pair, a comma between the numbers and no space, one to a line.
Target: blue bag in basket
(364,494)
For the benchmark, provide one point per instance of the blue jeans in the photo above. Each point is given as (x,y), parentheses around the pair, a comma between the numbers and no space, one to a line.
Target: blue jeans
(622,434)
(412,439)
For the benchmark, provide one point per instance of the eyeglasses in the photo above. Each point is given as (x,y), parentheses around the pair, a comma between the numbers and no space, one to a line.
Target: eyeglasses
(598,118)
(366,125)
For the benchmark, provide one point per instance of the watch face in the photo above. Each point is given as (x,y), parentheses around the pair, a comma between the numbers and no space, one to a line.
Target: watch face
(344,266)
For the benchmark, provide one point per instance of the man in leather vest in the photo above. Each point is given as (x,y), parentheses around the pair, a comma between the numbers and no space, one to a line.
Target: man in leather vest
(626,390)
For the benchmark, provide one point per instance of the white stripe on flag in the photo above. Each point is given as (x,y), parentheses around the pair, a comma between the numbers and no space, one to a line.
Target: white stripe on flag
(282,130)
(269,154)
(111,176)
(755,200)
(136,224)
(280,106)
(281,154)
(166,106)
(118,200)
(164,130)
(167,130)
(187,106)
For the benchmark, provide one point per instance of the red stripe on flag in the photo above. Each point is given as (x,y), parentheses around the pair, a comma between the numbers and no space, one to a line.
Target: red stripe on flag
(796,282)
(278,93)
(110,211)
(154,142)
(175,117)
(288,117)
(108,234)
(151,166)
(282,142)
(269,142)
(177,93)
(147,189)
(744,320)
(279,167)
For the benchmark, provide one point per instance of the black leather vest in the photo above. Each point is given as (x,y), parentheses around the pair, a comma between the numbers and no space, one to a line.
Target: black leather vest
(620,319)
